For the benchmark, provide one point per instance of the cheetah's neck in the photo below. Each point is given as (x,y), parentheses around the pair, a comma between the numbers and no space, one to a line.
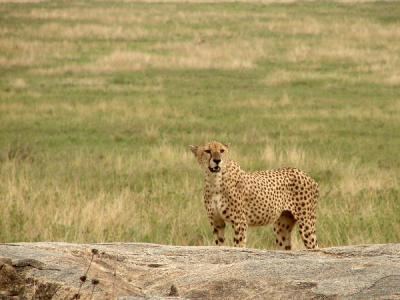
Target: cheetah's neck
(214,182)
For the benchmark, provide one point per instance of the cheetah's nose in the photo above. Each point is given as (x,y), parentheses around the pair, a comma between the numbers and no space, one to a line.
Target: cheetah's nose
(217,161)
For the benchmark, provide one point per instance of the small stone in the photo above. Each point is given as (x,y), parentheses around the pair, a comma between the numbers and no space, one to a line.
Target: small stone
(173,291)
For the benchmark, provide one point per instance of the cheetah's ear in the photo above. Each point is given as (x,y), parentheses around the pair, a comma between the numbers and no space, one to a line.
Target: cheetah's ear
(193,149)
(226,145)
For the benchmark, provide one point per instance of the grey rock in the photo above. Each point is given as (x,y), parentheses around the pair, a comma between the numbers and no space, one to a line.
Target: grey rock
(148,271)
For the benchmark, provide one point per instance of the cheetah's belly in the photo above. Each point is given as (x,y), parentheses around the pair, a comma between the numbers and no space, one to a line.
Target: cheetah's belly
(262,208)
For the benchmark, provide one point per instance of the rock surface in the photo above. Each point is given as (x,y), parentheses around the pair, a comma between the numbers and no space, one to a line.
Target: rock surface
(148,271)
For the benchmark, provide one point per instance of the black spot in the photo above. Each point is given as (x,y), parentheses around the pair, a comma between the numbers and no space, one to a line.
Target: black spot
(221,240)
(288,247)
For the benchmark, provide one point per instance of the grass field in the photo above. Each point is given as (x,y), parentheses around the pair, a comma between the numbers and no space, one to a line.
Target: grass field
(99,100)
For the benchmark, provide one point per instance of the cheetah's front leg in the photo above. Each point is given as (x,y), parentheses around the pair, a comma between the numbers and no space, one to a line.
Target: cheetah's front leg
(219,231)
(240,228)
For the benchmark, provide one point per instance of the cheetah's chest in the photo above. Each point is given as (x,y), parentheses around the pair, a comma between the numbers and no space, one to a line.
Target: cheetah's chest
(216,203)
(216,196)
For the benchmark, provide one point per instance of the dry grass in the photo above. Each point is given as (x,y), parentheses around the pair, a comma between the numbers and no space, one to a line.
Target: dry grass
(21,1)
(59,212)
(121,110)
(91,31)
(242,1)
(65,211)
(307,26)
(344,41)
(189,55)
(192,55)
(353,178)
(133,25)
(19,53)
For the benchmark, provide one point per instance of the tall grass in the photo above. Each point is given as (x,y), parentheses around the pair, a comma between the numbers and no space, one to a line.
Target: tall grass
(99,100)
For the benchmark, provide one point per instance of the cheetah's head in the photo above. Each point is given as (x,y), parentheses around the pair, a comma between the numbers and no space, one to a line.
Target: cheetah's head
(211,156)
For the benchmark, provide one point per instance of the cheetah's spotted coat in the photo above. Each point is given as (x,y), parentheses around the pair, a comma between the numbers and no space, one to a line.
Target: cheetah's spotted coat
(280,197)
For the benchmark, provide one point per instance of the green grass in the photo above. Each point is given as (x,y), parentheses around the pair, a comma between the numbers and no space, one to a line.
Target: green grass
(99,100)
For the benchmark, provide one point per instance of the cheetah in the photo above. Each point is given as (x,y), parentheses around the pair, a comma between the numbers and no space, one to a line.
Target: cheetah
(282,197)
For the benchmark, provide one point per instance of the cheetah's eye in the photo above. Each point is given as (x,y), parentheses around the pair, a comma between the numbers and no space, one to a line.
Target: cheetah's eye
(207,151)
(222,151)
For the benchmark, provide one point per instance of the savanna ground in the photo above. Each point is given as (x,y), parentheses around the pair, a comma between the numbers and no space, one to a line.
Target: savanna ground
(99,100)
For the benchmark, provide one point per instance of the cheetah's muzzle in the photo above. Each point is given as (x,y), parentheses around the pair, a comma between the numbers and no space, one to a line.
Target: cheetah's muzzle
(215,169)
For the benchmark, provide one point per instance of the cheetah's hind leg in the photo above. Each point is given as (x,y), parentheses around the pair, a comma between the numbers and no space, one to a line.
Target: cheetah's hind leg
(307,232)
(283,230)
